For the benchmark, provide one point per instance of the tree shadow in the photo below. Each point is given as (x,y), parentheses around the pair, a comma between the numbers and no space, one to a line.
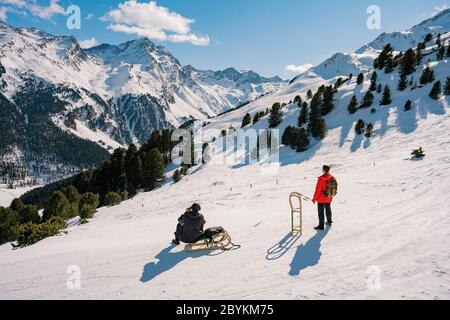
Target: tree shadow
(289,156)
(308,255)
(282,247)
(345,132)
(167,261)
(356,144)
(407,120)
(367,143)
(429,106)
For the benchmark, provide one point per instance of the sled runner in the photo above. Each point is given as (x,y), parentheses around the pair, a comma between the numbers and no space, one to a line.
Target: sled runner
(221,241)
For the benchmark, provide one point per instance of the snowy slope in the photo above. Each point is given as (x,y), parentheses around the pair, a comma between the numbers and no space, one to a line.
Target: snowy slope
(391,213)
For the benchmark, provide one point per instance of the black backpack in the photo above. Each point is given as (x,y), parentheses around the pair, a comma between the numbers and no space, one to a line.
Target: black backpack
(212,232)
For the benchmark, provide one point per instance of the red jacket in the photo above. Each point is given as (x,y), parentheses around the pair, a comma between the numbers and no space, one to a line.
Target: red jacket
(319,195)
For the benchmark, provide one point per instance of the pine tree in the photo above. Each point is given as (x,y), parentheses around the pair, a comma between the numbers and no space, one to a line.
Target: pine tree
(428,37)
(439,41)
(386,100)
(359,127)
(441,53)
(427,76)
(58,206)
(380,88)
(177,176)
(360,79)
(321,129)
(247,120)
(447,87)
(89,199)
(255,118)
(86,212)
(117,170)
(352,107)
(418,154)
(286,139)
(276,116)
(403,83)
(421,46)
(309,94)
(302,140)
(384,56)
(407,63)
(367,100)
(314,115)
(29,213)
(9,222)
(154,169)
(297,100)
(73,197)
(373,81)
(369,131)
(17,204)
(436,92)
(112,199)
(408,105)
(390,65)
(327,101)
(303,118)
(448,50)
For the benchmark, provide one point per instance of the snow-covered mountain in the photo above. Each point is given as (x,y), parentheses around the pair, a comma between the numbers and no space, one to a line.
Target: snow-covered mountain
(113,95)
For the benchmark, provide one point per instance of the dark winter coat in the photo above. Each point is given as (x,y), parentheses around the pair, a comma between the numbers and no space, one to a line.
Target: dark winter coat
(319,195)
(193,224)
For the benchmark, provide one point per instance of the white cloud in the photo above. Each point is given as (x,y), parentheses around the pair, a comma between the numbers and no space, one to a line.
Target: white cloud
(31,6)
(89,16)
(298,69)
(152,21)
(88,43)
(3,16)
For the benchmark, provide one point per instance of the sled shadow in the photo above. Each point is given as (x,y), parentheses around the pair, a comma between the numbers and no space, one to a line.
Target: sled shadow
(282,247)
(167,261)
(308,255)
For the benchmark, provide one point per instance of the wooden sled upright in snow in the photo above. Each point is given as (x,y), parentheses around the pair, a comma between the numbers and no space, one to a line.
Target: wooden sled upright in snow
(218,242)
(296,210)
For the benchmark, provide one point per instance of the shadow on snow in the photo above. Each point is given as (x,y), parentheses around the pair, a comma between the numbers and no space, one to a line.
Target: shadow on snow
(168,260)
(308,255)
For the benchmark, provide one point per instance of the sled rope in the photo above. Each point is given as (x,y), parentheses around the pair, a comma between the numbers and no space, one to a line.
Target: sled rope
(228,245)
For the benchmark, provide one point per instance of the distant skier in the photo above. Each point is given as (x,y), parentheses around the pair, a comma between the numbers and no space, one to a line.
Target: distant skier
(326,189)
(190,226)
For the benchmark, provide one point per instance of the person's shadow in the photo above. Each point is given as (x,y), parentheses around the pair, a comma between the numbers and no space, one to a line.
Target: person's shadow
(167,261)
(308,255)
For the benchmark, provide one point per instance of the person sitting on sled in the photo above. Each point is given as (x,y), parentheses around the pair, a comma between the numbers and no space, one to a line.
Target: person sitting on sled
(190,226)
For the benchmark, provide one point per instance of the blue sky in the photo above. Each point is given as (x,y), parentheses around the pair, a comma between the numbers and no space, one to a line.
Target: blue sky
(262,35)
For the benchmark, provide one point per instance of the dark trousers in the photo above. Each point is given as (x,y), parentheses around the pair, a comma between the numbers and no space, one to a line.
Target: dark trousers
(324,207)
(178,232)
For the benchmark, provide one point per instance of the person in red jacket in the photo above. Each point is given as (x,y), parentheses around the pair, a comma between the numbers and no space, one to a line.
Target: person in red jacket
(324,203)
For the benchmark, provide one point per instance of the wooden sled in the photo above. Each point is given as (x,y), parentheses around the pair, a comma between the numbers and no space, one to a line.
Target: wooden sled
(219,242)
